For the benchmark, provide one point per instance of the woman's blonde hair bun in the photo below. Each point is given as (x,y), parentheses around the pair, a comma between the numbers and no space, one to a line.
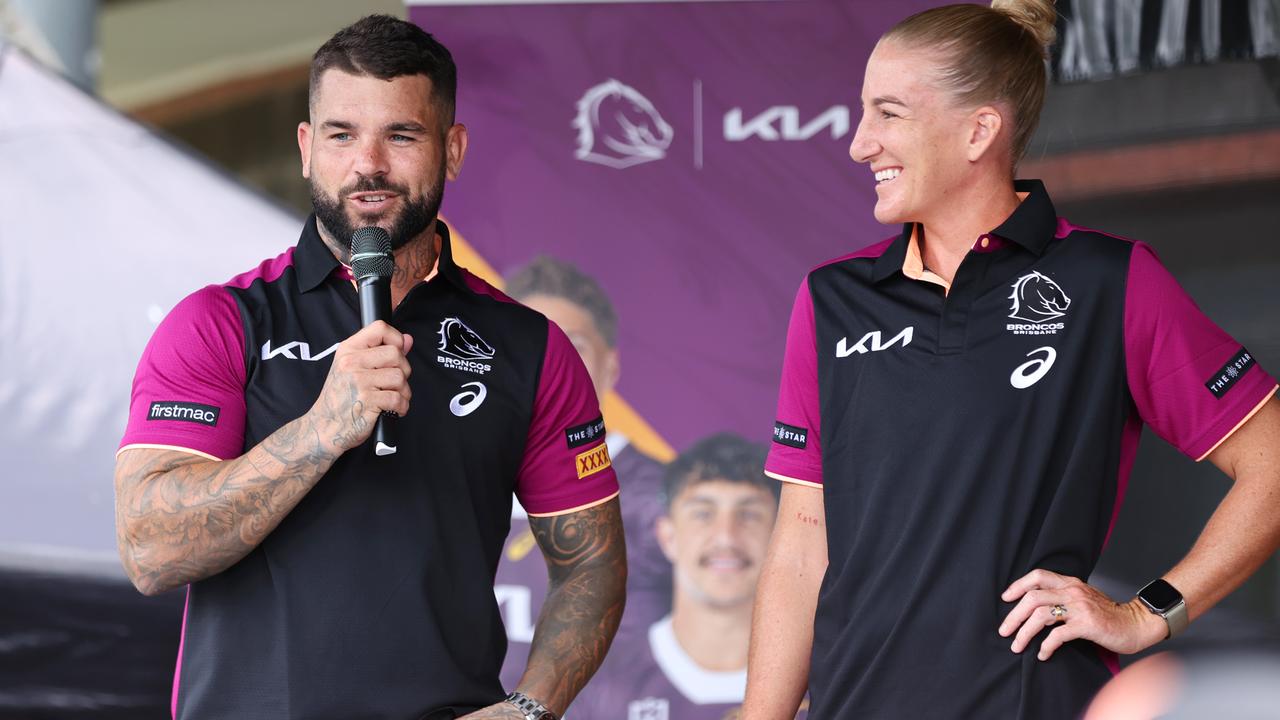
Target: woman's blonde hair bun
(1037,16)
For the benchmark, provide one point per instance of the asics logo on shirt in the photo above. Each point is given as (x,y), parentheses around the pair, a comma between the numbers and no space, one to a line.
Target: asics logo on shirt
(872,342)
(1030,372)
(466,402)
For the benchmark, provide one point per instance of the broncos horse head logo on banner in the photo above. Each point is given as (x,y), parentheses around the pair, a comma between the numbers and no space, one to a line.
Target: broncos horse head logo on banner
(462,342)
(1037,299)
(619,127)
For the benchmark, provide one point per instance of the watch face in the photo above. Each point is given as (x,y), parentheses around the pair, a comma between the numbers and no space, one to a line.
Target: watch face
(1160,595)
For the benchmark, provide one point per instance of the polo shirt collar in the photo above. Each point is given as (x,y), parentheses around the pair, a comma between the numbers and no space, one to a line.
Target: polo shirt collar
(445,264)
(315,261)
(1032,225)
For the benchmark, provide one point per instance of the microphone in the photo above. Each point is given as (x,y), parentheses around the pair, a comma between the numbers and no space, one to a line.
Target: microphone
(372,265)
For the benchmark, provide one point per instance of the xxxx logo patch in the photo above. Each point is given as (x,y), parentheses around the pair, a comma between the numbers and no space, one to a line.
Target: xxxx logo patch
(593,461)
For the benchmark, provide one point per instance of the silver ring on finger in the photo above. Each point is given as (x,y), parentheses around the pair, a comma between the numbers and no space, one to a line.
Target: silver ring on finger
(1058,612)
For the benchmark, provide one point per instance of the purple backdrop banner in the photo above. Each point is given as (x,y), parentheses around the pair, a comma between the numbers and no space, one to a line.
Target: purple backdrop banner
(691,156)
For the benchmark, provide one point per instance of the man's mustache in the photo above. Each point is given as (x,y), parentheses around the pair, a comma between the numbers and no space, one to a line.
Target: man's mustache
(373,184)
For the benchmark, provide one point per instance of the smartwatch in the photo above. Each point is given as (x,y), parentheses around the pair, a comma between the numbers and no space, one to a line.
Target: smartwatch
(532,709)
(1164,600)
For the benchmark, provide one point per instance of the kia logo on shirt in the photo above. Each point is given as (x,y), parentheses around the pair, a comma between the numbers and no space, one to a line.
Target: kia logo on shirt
(872,342)
(303,349)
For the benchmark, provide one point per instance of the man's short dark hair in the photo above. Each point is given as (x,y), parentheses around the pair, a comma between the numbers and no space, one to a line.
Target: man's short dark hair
(723,456)
(559,279)
(386,47)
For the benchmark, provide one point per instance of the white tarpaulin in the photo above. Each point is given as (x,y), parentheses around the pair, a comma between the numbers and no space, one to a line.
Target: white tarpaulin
(104,226)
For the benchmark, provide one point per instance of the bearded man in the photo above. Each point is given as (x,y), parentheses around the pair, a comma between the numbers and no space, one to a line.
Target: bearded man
(324,580)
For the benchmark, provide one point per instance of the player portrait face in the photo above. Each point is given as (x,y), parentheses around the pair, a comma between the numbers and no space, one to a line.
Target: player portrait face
(376,152)
(600,359)
(715,534)
(911,135)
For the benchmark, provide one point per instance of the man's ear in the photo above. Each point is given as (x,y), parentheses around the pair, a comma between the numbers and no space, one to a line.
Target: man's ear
(666,533)
(304,147)
(455,149)
(612,370)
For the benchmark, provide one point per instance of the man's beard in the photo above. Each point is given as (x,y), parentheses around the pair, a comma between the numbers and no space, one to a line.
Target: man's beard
(414,217)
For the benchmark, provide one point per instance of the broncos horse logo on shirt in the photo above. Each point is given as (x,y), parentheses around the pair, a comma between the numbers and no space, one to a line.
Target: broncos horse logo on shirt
(1037,299)
(619,127)
(462,342)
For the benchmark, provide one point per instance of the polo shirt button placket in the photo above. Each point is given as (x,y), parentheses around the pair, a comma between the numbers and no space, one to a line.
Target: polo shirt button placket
(954,322)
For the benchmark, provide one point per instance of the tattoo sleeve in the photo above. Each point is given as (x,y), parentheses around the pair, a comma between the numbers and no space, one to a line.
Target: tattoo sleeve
(182,518)
(587,565)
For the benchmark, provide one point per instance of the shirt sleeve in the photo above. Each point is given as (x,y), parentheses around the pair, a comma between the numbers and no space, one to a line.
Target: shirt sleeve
(1190,380)
(188,391)
(566,463)
(795,454)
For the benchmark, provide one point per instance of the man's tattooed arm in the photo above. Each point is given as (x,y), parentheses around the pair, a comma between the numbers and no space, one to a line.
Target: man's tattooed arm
(587,562)
(182,518)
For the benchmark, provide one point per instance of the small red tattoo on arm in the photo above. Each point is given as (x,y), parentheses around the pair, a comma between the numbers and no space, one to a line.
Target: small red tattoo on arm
(809,519)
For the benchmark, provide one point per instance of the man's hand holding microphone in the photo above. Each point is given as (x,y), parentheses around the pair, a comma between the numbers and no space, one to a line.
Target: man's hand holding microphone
(368,382)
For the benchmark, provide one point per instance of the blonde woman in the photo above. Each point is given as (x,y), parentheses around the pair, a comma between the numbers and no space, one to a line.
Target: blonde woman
(959,411)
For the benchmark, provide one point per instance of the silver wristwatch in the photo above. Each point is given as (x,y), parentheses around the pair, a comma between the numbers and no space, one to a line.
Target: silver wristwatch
(1164,600)
(532,709)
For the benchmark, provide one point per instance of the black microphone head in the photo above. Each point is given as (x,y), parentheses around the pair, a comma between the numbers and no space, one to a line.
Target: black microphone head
(371,253)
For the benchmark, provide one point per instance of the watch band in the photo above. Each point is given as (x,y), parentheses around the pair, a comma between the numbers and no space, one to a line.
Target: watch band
(1177,619)
(532,709)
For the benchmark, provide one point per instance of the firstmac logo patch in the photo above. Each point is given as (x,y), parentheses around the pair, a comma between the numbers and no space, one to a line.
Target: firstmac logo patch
(593,461)
(184,412)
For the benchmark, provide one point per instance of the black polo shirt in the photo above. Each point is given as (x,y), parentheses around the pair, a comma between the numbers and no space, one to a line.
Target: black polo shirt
(374,597)
(964,436)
